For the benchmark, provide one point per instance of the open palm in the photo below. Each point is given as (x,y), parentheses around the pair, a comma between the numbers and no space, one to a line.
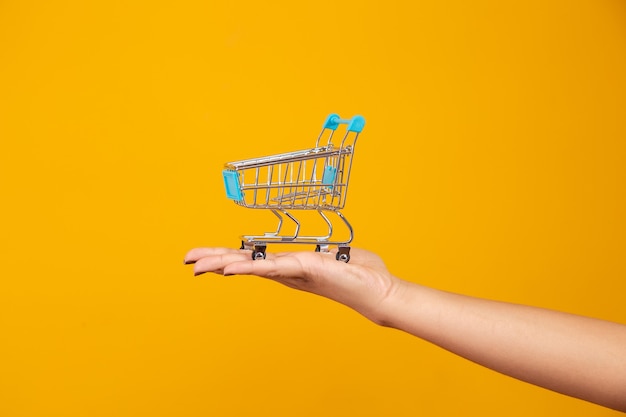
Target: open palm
(362,284)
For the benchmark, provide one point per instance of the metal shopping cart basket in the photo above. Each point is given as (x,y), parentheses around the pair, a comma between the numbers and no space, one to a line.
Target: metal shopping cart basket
(310,179)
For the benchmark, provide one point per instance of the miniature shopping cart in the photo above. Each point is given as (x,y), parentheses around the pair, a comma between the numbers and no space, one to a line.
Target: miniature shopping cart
(310,179)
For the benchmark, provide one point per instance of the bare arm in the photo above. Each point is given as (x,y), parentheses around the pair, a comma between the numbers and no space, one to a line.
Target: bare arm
(574,355)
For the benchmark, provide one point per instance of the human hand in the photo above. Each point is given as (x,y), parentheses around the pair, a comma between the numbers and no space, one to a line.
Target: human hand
(362,284)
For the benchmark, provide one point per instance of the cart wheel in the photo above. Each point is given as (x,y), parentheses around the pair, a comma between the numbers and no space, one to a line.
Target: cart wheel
(322,248)
(343,254)
(343,257)
(258,253)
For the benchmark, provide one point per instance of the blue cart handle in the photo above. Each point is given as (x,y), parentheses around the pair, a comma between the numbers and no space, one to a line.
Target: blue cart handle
(355,124)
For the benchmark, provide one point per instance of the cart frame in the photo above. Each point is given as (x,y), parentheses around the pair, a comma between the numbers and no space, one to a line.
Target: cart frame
(311,179)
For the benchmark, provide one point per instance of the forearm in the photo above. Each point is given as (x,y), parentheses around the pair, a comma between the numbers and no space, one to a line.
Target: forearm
(578,356)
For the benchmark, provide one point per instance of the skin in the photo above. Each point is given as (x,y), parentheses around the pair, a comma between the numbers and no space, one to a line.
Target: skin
(575,355)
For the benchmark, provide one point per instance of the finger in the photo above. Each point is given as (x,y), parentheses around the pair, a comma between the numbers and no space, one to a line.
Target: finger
(281,265)
(303,270)
(217,262)
(266,268)
(195,254)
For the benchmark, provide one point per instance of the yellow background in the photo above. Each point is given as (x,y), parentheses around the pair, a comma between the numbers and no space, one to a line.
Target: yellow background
(492,164)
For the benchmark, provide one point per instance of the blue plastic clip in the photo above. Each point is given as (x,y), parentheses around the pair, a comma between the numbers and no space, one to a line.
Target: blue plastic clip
(328,178)
(231,183)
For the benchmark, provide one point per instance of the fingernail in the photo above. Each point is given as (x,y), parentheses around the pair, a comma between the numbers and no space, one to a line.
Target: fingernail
(186,262)
(195,274)
(228,275)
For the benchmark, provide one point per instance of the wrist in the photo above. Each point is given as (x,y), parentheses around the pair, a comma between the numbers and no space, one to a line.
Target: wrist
(389,307)
(407,306)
